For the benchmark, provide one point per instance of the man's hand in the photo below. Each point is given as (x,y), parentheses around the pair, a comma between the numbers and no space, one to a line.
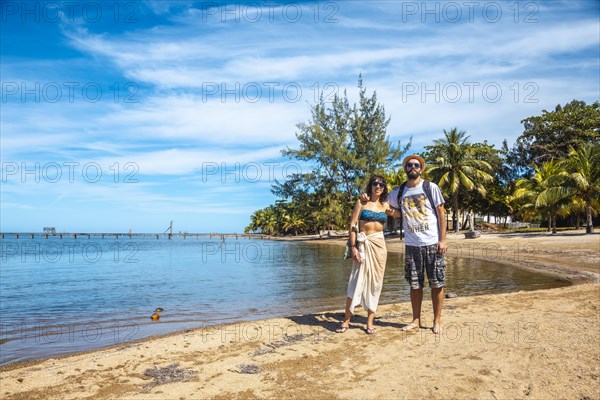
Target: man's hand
(442,247)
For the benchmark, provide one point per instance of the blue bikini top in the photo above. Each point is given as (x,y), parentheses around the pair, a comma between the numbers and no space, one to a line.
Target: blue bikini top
(373,216)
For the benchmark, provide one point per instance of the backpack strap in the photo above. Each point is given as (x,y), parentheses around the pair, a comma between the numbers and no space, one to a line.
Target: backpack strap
(399,201)
(427,189)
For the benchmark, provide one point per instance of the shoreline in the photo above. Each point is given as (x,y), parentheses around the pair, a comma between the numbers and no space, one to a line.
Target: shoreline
(532,254)
(573,256)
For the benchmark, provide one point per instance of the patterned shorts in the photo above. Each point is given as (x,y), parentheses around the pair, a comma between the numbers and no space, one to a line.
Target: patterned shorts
(417,260)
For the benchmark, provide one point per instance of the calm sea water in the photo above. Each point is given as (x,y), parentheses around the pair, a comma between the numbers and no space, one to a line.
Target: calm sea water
(64,295)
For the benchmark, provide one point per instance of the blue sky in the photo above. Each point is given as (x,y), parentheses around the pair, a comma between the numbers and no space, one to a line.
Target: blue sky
(118,116)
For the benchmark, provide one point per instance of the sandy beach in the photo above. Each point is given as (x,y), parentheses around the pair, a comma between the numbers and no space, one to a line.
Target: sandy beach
(525,345)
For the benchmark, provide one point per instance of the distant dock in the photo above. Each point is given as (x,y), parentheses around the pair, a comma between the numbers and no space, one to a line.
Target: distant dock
(108,235)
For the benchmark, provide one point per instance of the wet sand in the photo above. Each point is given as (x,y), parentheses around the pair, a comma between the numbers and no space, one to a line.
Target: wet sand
(535,345)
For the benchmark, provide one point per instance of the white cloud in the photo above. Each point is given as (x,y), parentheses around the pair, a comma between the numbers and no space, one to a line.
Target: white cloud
(184,162)
(175,56)
(472,50)
(220,121)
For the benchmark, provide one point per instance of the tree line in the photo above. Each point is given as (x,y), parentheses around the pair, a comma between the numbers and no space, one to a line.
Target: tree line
(552,170)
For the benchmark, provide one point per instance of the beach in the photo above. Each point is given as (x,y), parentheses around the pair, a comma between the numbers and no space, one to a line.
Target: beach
(532,345)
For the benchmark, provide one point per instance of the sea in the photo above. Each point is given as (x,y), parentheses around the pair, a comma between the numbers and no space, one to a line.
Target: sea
(60,296)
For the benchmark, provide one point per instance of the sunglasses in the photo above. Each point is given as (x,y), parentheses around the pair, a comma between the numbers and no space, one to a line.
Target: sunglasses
(410,165)
(380,184)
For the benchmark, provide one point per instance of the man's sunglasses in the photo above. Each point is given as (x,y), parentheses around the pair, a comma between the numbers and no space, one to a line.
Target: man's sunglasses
(410,165)
(380,184)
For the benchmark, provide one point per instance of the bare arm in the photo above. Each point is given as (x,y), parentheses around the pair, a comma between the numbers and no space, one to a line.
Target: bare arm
(353,222)
(441,218)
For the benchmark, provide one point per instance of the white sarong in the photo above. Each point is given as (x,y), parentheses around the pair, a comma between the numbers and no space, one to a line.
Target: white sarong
(366,279)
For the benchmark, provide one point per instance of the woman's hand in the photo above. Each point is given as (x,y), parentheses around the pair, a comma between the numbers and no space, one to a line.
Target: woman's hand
(355,254)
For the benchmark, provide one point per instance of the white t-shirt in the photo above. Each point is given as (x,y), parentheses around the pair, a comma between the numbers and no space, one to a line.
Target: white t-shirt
(419,218)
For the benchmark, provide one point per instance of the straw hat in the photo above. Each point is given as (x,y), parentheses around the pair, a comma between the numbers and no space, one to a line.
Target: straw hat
(414,156)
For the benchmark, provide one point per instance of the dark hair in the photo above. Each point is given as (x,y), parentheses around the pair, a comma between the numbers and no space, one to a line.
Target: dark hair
(384,195)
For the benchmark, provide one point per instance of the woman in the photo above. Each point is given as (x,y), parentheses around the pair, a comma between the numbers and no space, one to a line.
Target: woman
(368,253)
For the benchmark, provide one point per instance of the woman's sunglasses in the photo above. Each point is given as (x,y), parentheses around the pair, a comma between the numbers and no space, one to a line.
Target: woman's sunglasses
(380,184)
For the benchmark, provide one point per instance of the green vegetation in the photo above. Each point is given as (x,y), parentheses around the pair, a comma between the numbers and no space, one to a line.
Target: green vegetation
(577,183)
(456,168)
(344,146)
(552,171)
(550,136)
(532,194)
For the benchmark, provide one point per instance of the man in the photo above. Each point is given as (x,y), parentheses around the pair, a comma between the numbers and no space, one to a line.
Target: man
(425,238)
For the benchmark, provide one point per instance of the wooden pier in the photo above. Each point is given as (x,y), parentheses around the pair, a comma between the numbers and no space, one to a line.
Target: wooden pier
(115,235)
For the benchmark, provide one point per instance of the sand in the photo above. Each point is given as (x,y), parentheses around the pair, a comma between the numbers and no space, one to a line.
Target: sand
(525,345)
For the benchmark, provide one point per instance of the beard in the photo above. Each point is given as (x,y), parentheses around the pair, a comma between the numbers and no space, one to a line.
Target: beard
(413,174)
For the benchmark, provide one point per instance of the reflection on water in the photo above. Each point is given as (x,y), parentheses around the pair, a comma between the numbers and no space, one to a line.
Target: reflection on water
(59,296)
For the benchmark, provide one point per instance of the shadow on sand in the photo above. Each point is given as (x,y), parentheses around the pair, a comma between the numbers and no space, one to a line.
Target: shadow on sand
(332,320)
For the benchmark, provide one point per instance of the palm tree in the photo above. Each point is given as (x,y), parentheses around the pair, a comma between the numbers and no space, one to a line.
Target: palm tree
(254,225)
(264,220)
(289,217)
(394,178)
(578,209)
(269,221)
(579,179)
(537,194)
(293,222)
(456,168)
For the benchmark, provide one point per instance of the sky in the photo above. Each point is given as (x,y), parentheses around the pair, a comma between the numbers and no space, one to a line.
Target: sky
(128,115)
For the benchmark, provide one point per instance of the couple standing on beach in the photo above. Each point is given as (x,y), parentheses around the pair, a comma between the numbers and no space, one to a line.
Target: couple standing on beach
(420,204)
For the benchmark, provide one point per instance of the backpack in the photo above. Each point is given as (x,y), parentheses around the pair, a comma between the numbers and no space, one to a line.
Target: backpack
(427,190)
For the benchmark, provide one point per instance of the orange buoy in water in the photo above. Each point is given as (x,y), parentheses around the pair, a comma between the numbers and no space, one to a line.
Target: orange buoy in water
(155,317)
(159,309)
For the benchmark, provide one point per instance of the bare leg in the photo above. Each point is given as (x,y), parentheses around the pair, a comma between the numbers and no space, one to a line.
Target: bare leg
(437,297)
(346,324)
(371,320)
(348,313)
(416,298)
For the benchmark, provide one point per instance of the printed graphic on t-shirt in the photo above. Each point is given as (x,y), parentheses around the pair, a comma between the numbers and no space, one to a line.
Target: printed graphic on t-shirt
(415,212)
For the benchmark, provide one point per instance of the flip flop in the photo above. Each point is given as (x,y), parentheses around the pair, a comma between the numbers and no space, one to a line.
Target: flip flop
(342,329)
(371,331)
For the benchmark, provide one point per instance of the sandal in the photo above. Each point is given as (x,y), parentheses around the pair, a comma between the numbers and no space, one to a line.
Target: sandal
(342,329)
(371,331)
